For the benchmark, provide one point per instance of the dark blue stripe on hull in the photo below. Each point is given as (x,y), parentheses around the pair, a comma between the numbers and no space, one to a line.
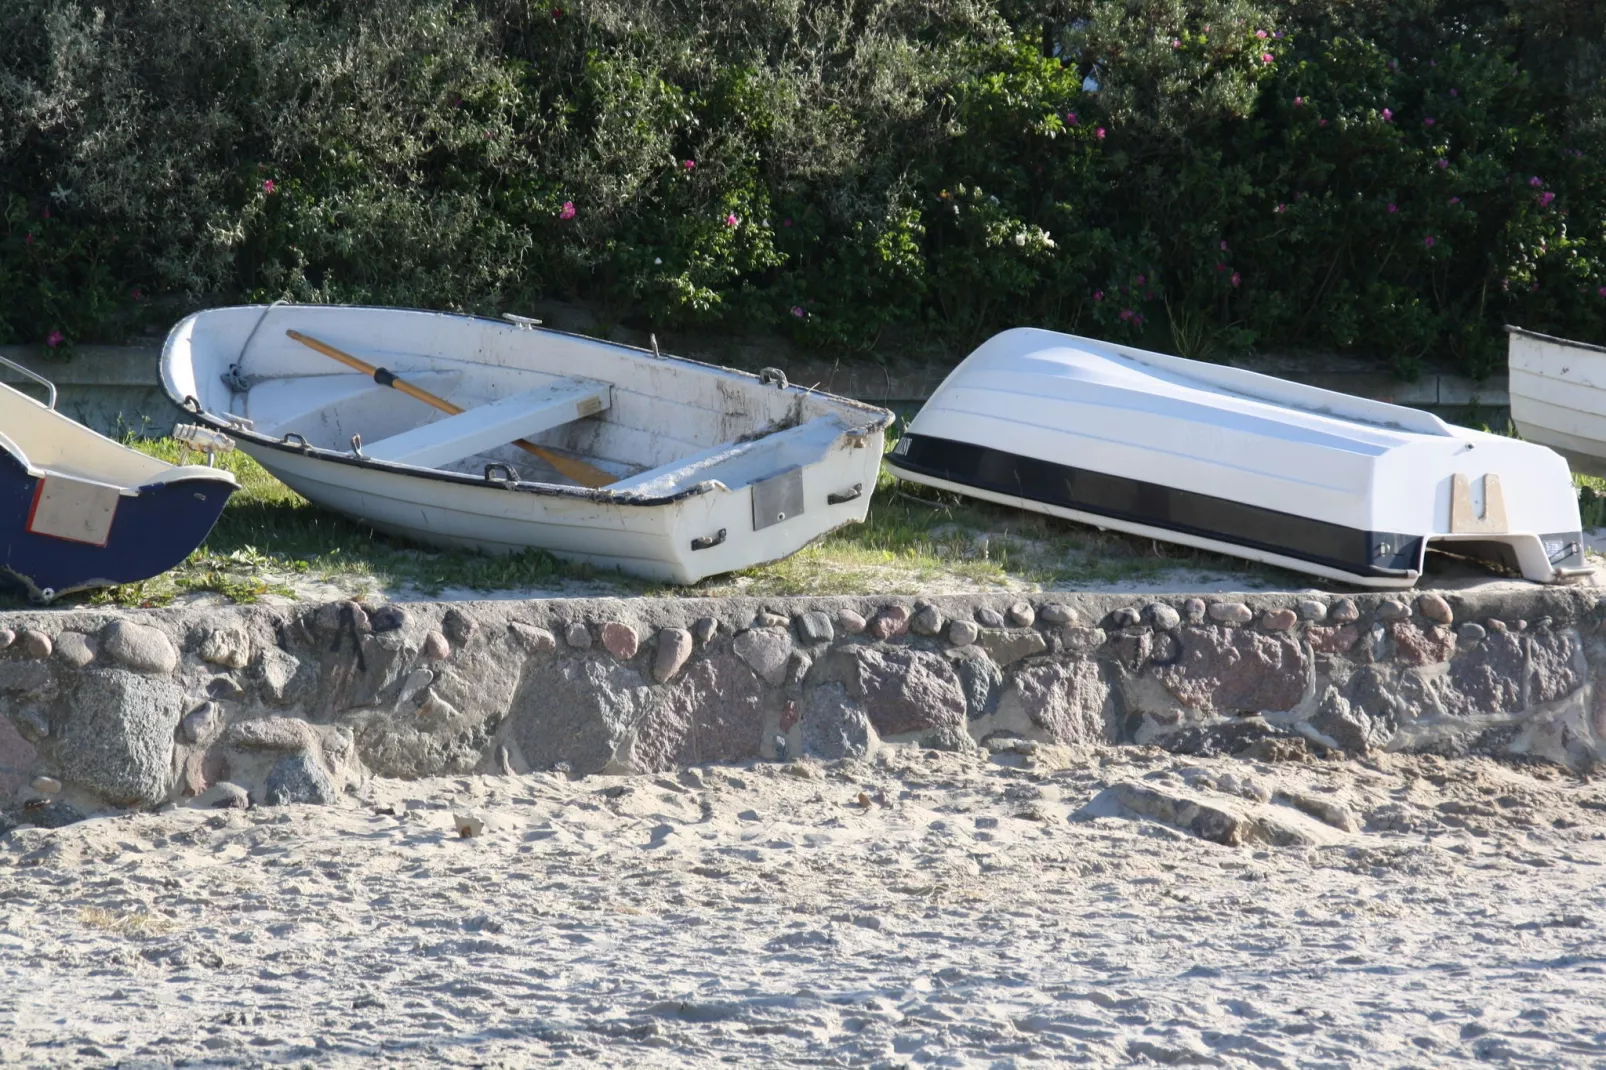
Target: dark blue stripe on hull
(1353,550)
(150,534)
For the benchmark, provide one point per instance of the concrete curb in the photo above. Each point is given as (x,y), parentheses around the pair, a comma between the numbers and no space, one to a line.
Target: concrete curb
(105,382)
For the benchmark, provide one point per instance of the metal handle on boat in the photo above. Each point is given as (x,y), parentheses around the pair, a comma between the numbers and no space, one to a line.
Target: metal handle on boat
(300,442)
(708,541)
(50,387)
(512,477)
(845,496)
(773,377)
(522,322)
(356,445)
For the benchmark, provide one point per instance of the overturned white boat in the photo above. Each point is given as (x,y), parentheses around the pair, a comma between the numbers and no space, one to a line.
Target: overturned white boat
(1558,396)
(1237,462)
(693,470)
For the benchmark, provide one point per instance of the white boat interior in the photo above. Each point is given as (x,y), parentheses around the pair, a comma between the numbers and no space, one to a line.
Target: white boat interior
(658,426)
(1235,461)
(618,457)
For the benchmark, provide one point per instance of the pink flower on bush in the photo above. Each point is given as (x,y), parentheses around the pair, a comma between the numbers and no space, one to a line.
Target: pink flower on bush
(27,239)
(45,213)
(1280,208)
(1220,267)
(1223,245)
(1428,241)
(731,220)
(567,211)
(1236,278)
(1070,118)
(268,185)
(1393,208)
(1443,163)
(1388,115)
(1428,121)
(1176,42)
(689,165)
(1098,295)
(797,310)
(1545,198)
(1140,280)
(1602,291)
(1299,102)
(1099,133)
(54,339)
(1536,182)
(786,222)
(136,294)
(1455,200)
(1267,57)
(1321,122)
(1260,34)
(1455,92)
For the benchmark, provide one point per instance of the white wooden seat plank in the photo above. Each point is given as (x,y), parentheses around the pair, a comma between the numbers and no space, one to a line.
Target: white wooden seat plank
(485,427)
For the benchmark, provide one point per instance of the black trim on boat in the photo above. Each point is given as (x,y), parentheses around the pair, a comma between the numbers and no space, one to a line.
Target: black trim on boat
(1526,333)
(1362,553)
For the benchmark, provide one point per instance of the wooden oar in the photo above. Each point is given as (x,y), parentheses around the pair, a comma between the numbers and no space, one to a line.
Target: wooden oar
(574,468)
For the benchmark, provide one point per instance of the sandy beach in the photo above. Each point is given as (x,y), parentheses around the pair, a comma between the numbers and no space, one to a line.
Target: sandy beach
(1037,906)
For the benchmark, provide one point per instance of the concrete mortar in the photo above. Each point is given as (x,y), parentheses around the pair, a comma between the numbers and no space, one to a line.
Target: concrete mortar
(380,690)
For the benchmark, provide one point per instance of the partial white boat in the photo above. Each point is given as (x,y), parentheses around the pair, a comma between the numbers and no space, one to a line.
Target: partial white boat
(1558,396)
(712,469)
(1238,462)
(82,511)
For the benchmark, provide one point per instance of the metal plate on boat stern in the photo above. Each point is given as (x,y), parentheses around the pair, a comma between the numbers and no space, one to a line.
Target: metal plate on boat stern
(778,498)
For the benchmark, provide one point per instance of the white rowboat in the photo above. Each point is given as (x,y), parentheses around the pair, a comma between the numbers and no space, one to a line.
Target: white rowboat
(1558,396)
(714,469)
(1240,463)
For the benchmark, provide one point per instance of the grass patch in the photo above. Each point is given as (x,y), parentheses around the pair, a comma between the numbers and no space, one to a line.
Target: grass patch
(917,538)
(270,540)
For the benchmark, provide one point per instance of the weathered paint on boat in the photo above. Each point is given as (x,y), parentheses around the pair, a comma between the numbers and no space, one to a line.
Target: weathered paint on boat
(1558,396)
(716,469)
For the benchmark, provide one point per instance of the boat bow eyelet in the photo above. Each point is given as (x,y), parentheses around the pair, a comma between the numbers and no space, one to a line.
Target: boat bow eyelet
(845,496)
(509,475)
(709,541)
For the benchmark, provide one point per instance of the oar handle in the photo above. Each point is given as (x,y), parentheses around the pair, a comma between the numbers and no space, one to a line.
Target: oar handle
(576,469)
(382,376)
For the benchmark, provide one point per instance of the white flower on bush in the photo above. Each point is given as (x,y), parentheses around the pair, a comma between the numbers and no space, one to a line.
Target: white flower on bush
(1032,240)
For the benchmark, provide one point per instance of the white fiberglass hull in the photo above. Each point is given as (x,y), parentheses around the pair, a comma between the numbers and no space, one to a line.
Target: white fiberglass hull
(651,541)
(1239,463)
(1558,396)
(714,470)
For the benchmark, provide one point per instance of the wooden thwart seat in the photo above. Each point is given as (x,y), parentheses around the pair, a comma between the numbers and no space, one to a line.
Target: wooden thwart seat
(477,430)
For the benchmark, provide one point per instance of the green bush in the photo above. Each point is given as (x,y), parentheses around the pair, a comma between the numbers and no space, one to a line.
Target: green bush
(1396,177)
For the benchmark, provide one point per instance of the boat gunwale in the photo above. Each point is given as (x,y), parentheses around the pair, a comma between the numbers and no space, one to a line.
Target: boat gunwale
(1526,333)
(881,418)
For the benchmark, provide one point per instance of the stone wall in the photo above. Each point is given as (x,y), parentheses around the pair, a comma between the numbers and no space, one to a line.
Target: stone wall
(275,704)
